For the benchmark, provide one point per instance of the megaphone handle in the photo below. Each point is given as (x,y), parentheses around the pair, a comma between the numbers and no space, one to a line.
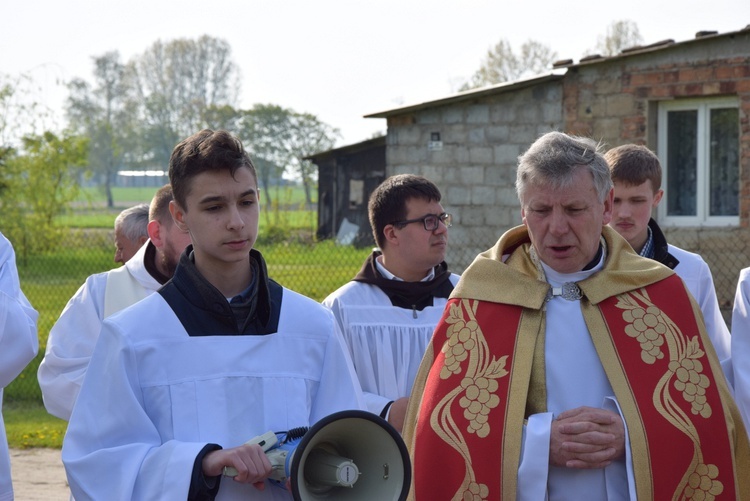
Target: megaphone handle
(266,442)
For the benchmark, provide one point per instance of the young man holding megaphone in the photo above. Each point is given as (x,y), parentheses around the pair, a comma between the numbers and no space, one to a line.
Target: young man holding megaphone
(179,381)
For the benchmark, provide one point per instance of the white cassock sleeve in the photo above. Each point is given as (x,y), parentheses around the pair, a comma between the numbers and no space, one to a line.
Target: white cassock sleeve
(69,346)
(741,345)
(112,450)
(534,468)
(18,336)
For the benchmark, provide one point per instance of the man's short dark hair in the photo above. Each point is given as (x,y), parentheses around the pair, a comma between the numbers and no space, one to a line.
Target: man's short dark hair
(205,151)
(159,209)
(388,202)
(633,165)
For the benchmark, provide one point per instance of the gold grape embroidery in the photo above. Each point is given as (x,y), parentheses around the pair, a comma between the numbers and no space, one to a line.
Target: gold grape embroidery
(660,337)
(467,355)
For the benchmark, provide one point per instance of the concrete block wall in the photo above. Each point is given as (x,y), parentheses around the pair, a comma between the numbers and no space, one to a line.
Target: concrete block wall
(476,167)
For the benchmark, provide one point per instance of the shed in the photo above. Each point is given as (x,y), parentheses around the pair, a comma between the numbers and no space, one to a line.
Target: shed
(346,178)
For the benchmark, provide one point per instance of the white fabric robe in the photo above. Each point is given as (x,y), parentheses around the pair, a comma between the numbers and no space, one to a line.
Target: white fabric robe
(18,344)
(574,377)
(386,343)
(153,397)
(696,274)
(73,337)
(741,345)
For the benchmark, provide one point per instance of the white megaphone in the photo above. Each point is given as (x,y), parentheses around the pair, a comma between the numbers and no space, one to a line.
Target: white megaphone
(348,456)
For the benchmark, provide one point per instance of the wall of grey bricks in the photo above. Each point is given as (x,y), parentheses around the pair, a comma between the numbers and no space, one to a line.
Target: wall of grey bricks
(476,167)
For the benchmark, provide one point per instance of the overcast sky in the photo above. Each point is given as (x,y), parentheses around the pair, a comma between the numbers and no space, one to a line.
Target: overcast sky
(337,59)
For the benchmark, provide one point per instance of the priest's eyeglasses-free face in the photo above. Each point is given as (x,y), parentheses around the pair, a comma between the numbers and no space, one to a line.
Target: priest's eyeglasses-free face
(431,222)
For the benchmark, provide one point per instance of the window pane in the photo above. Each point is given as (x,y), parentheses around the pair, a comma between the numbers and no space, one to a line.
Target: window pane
(682,128)
(725,163)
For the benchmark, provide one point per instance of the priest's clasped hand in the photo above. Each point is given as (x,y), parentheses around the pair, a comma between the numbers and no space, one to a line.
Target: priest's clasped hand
(586,438)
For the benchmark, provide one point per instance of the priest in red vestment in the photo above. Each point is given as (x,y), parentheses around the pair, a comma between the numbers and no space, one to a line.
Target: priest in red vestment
(567,367)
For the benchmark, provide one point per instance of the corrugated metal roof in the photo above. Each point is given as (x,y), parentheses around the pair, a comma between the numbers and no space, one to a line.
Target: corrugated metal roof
(471,94)
(349,148)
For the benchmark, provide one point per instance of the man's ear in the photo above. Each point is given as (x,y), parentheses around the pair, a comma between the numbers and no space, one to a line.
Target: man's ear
(178,215)
(657,197)
(154,232)
(389,232)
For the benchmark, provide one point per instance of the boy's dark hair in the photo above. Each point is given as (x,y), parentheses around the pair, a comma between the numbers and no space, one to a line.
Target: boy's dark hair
(387,203)
(205,151)
(633,165)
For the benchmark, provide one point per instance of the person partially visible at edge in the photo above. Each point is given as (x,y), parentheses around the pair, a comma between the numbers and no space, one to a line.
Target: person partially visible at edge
(18,344)
(388,311)
(219,355)
(73,337)
(741,345)
(131,232)
(567,367)
(636,174)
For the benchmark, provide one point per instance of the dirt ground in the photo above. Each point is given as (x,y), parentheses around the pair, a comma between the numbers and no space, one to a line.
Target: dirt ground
(38,475)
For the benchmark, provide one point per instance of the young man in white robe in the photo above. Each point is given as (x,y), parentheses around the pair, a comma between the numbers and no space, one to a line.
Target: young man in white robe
(73,337)
(636,173)
(388,311)
(741,345)
(181,380)
(18,344)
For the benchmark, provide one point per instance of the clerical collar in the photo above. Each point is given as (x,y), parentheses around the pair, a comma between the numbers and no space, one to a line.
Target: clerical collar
(565,285)
(648,247)
(596,260)
(390,276)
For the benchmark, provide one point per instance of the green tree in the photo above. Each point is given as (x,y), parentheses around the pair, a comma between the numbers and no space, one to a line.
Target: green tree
(280,139)
(265,130)
(41,180)
(308,136)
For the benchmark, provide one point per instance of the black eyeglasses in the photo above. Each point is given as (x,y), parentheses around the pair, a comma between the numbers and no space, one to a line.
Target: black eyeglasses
(431,222)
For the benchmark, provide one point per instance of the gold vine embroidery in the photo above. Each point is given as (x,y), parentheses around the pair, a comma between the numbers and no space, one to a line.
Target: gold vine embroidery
(467,354)
(656,332)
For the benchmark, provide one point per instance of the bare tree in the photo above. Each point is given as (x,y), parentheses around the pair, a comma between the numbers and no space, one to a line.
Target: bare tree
(620,35)
(501,64)
(99,113)
(178,85)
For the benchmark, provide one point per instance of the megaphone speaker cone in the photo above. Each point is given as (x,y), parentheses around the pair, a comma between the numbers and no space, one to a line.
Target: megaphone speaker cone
(350,456)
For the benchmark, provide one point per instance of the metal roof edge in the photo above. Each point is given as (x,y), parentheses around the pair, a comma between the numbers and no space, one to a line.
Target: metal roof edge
(472,94)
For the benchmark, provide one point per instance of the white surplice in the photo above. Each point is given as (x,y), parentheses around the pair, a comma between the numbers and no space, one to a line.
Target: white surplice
(73,337)
(386,342)
(153,397)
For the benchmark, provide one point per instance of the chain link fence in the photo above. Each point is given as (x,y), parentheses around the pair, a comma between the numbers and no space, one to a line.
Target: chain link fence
(312,269)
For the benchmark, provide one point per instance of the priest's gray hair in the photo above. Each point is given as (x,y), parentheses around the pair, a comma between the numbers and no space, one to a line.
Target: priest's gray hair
(133,222)
(554,158)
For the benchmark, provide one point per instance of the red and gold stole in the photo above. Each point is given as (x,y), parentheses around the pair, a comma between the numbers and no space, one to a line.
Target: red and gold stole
(673,397)
(670,394)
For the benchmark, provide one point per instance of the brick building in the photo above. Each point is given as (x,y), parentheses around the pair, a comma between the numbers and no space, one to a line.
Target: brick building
(688,101)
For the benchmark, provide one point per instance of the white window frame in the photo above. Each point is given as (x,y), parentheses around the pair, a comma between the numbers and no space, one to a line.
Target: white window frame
(703,106)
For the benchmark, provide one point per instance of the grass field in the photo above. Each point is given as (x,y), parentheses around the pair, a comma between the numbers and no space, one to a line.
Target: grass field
(312,268)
